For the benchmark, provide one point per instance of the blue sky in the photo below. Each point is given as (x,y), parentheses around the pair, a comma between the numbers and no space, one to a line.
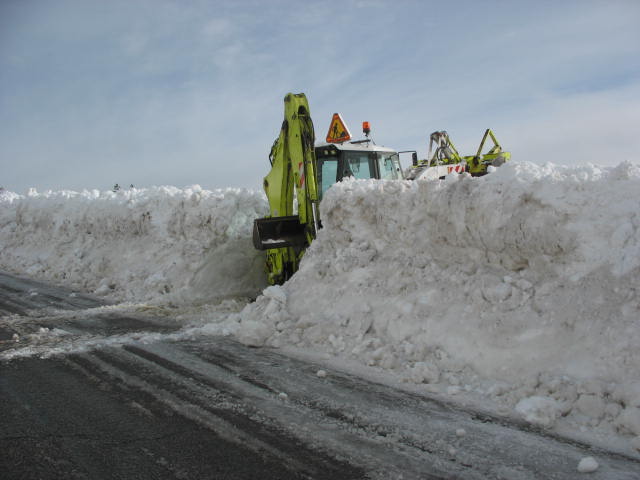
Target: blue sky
(166,92)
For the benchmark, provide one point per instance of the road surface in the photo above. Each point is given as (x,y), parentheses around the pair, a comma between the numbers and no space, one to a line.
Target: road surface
(126,399)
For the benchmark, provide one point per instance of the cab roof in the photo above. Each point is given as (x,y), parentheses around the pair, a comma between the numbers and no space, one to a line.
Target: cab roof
(362,147)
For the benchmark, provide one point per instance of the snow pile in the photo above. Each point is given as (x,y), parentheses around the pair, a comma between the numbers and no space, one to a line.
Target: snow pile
(521,285)
(162,243)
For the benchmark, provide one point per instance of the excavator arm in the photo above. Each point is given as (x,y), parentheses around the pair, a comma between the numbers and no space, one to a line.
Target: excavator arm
(442,152)
(291,182)
(445,152)
(477,164)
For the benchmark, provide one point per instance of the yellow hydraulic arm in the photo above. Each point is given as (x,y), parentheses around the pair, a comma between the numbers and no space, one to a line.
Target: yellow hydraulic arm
(286,233)
(477,164)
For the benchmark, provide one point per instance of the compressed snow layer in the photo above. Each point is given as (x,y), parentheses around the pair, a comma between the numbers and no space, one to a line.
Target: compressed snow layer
(521,285)
(161,243)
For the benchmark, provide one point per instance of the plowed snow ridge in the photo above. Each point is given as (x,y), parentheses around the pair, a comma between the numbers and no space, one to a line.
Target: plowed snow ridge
(521,286)
(159,244)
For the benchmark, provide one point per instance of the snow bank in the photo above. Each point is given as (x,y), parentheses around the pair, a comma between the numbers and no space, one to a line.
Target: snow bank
(162,243)
(521,285)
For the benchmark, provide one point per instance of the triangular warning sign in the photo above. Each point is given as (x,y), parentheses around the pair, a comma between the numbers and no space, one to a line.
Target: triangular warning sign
(338,131)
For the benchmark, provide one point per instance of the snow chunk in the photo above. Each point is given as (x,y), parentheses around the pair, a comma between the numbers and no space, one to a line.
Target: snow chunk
(423,372)
(453,390)
(591,405)
(539,410)
(588,465)
(629,420)
(253,333)
(277,293)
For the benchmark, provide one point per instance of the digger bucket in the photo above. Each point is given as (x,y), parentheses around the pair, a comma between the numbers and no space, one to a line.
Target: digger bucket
(278,232)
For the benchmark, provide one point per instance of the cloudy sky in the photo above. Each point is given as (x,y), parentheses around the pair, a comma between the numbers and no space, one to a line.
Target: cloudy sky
(168,92)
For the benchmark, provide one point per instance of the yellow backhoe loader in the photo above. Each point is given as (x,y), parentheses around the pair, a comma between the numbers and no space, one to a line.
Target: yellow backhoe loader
(302,172)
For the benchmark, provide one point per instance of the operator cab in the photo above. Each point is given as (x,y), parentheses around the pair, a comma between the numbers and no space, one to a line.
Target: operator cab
(360,160)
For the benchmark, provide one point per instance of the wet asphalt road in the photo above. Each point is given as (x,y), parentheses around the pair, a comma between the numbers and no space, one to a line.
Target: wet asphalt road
(212,408)
(67,418)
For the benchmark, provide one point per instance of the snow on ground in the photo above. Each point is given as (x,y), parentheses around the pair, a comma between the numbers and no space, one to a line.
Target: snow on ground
(521,286)
(517,289)
(161,244)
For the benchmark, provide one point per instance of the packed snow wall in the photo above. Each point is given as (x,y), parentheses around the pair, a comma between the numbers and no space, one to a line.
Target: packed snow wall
(162,243)
(523,284)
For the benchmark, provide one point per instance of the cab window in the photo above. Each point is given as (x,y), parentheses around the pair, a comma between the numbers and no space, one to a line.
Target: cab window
(358,165)
(327,172)
(389,166)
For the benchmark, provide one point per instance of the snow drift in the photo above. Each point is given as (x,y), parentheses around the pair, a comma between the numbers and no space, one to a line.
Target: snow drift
(520,286)
(159,244)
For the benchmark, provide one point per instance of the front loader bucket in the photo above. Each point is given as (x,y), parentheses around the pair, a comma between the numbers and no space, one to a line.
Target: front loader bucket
(278,232)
